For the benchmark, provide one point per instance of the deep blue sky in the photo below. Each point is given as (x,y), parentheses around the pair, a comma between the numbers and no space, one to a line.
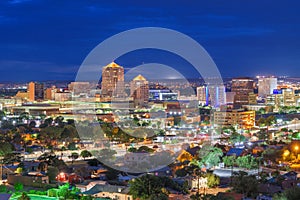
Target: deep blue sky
(48,39)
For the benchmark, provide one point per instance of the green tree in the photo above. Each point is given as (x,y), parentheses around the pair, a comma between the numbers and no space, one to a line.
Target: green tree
(152,187)
(248,162)
(69,133)
(18,187)
(229,160)
(72,146)
(237,138)
(24,196)
(244,184)
(3,189)
(212,180)
(85,154)
(210,156)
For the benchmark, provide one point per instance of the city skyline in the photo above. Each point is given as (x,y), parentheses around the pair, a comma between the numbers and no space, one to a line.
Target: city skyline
(48,41)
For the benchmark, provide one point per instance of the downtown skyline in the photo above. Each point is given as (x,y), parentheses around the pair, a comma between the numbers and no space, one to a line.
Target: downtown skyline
(48,40)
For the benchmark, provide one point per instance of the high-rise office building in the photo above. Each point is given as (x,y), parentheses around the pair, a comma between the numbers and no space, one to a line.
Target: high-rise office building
(139,90)
(213,95)
(203,95)
(242,88)
(49,93)
(112,81)
(266,86)
(35,91)
(217,95)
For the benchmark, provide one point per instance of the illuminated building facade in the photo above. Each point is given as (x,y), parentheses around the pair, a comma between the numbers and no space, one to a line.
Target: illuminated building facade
(112,81)
(213,95)
(35,91)
(266,86)
(139,90)
(242,88)
(242,119)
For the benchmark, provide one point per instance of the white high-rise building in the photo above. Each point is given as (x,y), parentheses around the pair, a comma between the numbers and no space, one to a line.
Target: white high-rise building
(202,95)
(266,85)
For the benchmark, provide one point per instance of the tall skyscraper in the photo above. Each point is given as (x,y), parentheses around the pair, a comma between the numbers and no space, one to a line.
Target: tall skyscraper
(242,88)
(266,85)
(112,81)
(35,91)
(139,90)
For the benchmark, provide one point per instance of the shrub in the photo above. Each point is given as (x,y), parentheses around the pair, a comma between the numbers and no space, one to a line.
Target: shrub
(32,192)
(18,187)
(212,180)
(3,189)
(52,192)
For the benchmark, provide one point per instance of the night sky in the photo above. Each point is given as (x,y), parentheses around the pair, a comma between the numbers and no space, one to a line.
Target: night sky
(49,39)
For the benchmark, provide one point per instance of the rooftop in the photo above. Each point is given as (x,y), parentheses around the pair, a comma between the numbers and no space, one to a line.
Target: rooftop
(113,65)
(139,78)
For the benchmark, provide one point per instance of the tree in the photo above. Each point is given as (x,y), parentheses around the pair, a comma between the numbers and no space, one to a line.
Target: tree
(69,133)
(212,180)
(59,120)
(24,196)
(52,173)
(210,156)
(32,124)
(85,154)
(48,121)
(18,187)
(270,120)
(229,161)
(248,162)
(105,155)
(74,156)
(2,114)
(237,138)
(289,194)
(93,162)
(43,166)
(152,187)
(145,149)
(24,115)
(244,184)
(72,146)
(3,189)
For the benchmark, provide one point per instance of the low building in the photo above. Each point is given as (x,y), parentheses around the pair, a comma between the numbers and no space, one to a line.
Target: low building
(34,180)
(243,119)
(36,109)
(109,191)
